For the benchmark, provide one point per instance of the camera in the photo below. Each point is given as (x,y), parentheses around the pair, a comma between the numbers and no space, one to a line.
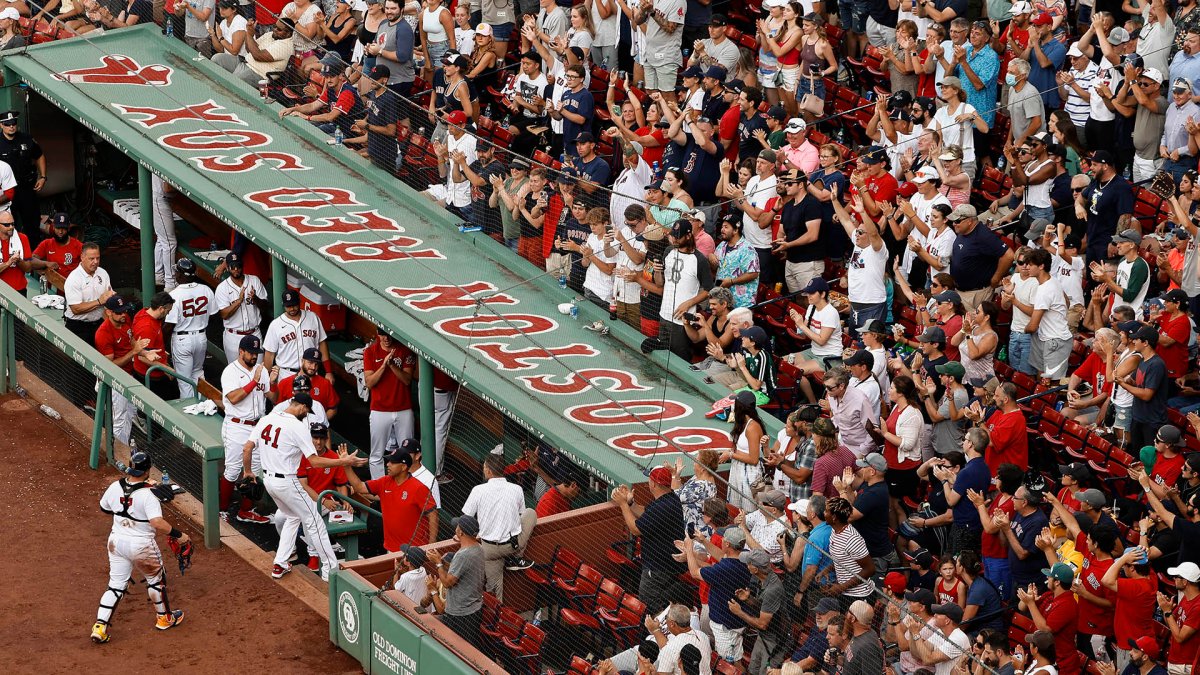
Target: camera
(691,317)
(691,530)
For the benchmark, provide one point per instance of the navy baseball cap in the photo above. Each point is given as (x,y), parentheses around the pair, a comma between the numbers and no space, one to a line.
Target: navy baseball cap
(60,219)
(312,354)
(693,71)
(318,430)
(251,344)
(398,456)
(301,397)
(468,524)
(380,71)
(411,446)
(816,285)
(118,304)
(291,298)
(234,260)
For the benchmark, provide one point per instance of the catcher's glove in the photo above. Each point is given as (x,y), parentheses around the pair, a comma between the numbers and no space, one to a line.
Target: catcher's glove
(250,488)
(182,551)
(164,492)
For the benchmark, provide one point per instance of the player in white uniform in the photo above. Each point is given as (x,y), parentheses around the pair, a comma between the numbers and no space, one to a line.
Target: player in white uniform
(301,384)
(245,388)
(194,306)
(137,519)
(279,440)
(290,334)
(237,302)
(164,235)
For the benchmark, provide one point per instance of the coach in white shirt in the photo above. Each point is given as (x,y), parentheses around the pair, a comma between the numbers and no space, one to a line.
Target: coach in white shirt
(237,302)
(505,524)
(86,289)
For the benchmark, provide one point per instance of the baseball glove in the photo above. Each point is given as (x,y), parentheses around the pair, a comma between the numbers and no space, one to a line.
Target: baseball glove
(250,488)
(183,552)
(163,492)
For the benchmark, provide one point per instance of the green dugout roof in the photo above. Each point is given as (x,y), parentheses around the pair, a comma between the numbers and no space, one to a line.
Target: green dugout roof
(383,250)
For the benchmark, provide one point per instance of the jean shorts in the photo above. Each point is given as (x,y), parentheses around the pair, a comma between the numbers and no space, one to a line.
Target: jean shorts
(853,15)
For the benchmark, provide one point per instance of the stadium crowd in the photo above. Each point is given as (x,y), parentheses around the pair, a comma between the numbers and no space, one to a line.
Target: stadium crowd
(954,249)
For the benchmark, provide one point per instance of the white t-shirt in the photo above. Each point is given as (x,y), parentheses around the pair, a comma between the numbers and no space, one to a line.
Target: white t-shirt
(464,39)
(953,646)
(864,275)
(459,194)
(923,206)
(596,280)
(1051,299)
(957,133)
(682,273)
(759,191)
(870,387)
(1070,277)
(1024,290)
(528,88)
(629,292)
(1111,76)
(227,31)
(896,150)
(820,319)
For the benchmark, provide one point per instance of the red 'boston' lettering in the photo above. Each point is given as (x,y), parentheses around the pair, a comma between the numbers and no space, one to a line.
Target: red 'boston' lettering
(383,251)
(247,161)
(303,198)
(363,221)
(501,325)
(583,380)
(627,412)
(676,439)
(153,117)
(215,139)
(464,295)
(523,359)
(119,69)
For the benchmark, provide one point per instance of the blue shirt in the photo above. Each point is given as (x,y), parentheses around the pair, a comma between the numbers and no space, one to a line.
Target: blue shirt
(874,504)
(1043,78)
(1026,529)
(814,554)
(1185,66)
(579,103)
(974,476)
(723,578)
(815,646)
(986,66)
(974,258)
(984,595)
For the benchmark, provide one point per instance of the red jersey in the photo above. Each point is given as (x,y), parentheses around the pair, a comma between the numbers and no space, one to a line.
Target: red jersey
(554,210)
(1167,469)
(1061,614)
(324,479)
(946,595)
(994,545)
(443,382)
(551,503)
(1133,616)
(1067,497)
(1187,613)
(115,342)
(1094,620)
(1175,355)
(1092,371)
(404,506)
(66,255)
(1009,441)
(655,154)
(727,130)
(882,188)
(322,391)
(150,328)
(951,327)
(389,394)
(13,276)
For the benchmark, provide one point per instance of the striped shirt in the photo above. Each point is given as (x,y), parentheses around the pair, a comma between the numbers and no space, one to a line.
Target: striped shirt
(847,548)
(1077,108)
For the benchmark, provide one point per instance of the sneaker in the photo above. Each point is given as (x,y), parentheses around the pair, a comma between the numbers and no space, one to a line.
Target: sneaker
(516,564)
(166,621)
(337,548)
(278,571)
(224,516)
(252,517)
(99,632)
(703,365)
(445,477)
(325,569)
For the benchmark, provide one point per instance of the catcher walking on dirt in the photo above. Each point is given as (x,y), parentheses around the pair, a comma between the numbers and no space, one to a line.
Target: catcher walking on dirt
(136,508)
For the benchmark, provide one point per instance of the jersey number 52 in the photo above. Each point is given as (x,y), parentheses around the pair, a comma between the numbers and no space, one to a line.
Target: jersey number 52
(269,438)
(194,307)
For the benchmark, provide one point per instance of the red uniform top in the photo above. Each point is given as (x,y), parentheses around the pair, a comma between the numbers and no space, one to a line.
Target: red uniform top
(1094,620)
(13,276)
(1187,613)
(403,505)
(443,382)
(994,545)
(1133,616)
(66,255)
(115,342)
(1167,469)
(727,130)
(1175,355)
(947,595)
(554,209)
(150,328)
(1009,441)
(1061,616)
(322,391)
(324,479)
(389,394)
(882,188)
(1092,371)
(551,503)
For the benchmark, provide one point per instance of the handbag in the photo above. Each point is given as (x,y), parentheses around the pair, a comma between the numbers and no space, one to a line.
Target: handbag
(812,104)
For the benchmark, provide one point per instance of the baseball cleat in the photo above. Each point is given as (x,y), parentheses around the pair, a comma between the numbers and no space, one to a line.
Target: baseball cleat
(99,633)
(171,620)
(278,571)
(252,517)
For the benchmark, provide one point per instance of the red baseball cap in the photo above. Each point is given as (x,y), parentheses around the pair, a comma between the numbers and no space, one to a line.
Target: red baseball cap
(895,582)
(1042,19)
(457,118)
(1148,645)
(661,476)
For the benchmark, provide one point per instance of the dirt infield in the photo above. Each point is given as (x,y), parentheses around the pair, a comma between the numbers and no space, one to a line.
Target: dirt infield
(54,566)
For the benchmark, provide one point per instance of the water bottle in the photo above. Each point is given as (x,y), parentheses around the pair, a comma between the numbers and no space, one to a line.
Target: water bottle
(464,228)
(50,412)
(121,466)
(166,478)
(1001,164)
(575,309)
(338,137)
(562,281)
(421,132)
(170,27)
(264,88)
(641,84)
(1003,353)
(506,123)
(537,618)
(21,391)
(612,308)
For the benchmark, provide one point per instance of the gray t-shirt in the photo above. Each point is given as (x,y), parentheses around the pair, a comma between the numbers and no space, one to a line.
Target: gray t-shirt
(864,655)
(193,27)
(1191,256)
(401,72)
(466,597)
(725,54)
(1023,106)
(553,23)
(948,434)
(772,597)
(1148,129)
(496,12)
(663,48)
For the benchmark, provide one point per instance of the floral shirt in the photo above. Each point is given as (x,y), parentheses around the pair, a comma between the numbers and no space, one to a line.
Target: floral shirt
(1184,23)
(692,495)
(734,262)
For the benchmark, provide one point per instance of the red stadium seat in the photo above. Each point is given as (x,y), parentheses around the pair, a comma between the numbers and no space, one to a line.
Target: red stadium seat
(526,651)
(509,626)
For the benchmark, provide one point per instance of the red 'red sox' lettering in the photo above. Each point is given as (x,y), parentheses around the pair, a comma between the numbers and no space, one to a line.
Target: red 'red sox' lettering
(497,325)
(248,161)
(446,296)
(120,69)
(215,139)
(384,251)
(153,117)
(583,380)
(354,223)
(676,439)
(523,359)
(303,198)
(627,412)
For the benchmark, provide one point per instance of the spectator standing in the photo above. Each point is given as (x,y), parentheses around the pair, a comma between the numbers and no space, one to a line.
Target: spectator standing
(1051,349)
(393,48)
(724,578)
(1107,204)
(978,65)
(966,531)
(864,651)
(659,524)
(1173,147)
(677,635)
(1006,429)
(717,49)
(1046,56)
(1131,281)
(832,458)
(737,262)
(1157,36)
(799,239)
(871,510)
(1076,86)
(197,16)
(683,283)
(749,442)
(389,368)
(852,561)
(984,608)
(865,284)
(1147,103)
(979,261)
(1056,612)
(1009,479)
(1135,600)
(1021,532)
(1149,387)
(85,290)
(901,434)
(1175,328)
(851,411)
(661,24)
(463,579)
(772,621)
(505,524)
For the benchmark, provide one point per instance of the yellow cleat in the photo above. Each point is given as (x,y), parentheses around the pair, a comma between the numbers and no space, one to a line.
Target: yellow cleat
(166,621)
(99,633)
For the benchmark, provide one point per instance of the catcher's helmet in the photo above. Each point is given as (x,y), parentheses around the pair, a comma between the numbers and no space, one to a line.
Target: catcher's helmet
(139,464)
(186,266)
(301,383)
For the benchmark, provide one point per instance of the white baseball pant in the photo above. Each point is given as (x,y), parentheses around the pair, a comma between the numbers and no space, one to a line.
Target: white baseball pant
(280,520)
(230,341)
(385,425)
(235,435)
(187,356)
(125,554)
(164,235)
(443,414)
(122,415)
(298,510)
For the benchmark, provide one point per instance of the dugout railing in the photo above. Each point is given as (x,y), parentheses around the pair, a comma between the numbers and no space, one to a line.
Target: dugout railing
(187,447)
